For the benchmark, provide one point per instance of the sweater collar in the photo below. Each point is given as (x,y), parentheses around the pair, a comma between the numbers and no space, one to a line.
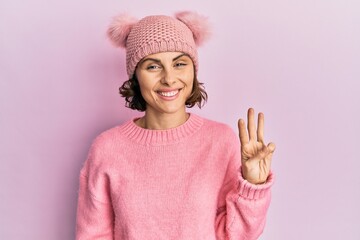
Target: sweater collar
(162,137)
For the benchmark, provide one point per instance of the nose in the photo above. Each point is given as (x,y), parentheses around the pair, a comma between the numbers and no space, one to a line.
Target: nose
(169,77)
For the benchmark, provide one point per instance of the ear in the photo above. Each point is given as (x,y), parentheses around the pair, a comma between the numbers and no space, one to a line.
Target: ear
(198,24)
(120,28)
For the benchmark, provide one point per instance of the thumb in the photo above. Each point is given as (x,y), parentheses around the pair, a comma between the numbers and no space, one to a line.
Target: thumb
(271,147)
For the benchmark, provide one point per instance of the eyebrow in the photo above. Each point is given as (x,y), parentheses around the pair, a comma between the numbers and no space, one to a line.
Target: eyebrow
(159,61)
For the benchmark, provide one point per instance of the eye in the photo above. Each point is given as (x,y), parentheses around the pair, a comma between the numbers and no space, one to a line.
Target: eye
(153,67)
(180,64)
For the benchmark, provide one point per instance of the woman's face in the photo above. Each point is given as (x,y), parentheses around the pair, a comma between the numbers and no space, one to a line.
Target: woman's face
(166,81)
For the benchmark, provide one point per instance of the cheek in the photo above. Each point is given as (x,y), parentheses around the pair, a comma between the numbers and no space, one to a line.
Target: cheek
(189,88)
(188,78)
(190,82)
(144,84)
(146,90)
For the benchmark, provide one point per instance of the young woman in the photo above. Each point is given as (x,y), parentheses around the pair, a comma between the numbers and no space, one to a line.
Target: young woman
(171,174)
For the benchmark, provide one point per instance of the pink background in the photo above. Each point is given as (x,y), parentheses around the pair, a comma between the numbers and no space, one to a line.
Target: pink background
(297,61)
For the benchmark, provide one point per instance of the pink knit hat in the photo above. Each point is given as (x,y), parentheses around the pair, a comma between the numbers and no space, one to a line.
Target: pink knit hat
(154,34)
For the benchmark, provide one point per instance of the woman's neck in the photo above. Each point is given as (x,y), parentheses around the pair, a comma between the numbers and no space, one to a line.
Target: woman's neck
(161,121)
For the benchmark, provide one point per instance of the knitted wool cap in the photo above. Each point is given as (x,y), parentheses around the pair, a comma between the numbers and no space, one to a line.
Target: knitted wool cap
(158,33)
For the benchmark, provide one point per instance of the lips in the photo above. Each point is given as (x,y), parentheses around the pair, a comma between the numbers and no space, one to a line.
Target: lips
(168,94)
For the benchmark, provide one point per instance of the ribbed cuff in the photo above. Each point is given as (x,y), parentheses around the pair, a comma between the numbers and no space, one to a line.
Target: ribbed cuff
(252,191)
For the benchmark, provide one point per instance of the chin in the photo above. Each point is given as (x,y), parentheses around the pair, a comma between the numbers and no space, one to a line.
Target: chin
(173,109)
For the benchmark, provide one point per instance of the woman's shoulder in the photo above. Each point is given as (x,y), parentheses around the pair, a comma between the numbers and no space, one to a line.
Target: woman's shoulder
(107,147)
(114,135)
(217,125)
(218,129)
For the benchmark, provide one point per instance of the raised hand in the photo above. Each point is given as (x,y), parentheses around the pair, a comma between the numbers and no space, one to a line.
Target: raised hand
(255,154)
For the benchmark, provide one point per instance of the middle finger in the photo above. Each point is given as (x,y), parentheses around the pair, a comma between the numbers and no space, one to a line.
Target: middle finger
(251,124)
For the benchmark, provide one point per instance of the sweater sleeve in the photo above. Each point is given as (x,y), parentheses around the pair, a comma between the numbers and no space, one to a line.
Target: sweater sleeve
(95,215)
(242,206)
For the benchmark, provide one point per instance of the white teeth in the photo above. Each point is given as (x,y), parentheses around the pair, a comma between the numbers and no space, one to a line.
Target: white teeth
(169,94)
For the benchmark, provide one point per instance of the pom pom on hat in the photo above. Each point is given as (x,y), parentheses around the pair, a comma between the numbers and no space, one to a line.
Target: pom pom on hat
(198,24)
(120,28)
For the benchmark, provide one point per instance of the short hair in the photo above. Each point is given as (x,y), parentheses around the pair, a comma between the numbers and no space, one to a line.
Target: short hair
(130,90)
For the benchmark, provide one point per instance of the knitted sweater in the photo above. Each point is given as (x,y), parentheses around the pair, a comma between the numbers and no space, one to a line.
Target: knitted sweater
(180,183)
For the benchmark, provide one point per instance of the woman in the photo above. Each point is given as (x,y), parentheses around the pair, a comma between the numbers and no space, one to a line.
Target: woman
(171,174)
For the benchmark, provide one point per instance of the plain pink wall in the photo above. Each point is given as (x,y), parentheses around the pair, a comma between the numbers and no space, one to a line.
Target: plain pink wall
(297,61)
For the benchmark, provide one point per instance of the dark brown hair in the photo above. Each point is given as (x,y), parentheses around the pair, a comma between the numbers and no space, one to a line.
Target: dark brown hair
(130,90)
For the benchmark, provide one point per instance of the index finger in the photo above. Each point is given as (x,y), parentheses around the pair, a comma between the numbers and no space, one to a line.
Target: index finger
(243,135)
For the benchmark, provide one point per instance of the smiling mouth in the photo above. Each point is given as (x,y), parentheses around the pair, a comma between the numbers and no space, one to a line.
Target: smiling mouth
(169,93)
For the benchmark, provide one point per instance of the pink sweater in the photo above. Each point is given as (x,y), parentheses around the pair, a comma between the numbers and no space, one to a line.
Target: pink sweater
(181,183)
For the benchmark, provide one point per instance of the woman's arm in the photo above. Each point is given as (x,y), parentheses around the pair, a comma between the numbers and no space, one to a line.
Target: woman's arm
(95,217)
(245,195)
(242,209)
